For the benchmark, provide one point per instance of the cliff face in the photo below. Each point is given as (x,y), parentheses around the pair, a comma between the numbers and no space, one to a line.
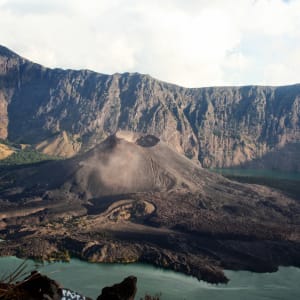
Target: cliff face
(238,125)
(220,127)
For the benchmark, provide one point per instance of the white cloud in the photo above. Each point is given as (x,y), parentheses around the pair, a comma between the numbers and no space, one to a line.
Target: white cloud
(188,42)
(273,17)
(283,72)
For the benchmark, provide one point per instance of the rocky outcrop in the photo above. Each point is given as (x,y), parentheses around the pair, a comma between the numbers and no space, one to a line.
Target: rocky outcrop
(33,287)
(59,145)
(40,287)
(219,127)
(3,117)
(5,151)
(125,290)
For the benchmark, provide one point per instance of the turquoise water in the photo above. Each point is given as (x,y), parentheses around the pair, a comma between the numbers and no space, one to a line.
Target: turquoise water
(89,279)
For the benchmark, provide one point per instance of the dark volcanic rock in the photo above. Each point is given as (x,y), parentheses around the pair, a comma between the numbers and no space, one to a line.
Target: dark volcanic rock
(147,140)
(125,290)
(34,287)
(65,111)
(40,287)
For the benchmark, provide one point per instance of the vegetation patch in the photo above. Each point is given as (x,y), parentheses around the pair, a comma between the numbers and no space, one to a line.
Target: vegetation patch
(26,156)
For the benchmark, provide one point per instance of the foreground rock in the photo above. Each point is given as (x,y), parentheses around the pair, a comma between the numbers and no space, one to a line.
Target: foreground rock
(39,287)
(125,290)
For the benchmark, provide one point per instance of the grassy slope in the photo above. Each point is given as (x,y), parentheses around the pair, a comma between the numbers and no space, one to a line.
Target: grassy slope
(15,154)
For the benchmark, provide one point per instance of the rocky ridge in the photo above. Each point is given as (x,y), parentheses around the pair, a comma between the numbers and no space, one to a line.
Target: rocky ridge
(64,112)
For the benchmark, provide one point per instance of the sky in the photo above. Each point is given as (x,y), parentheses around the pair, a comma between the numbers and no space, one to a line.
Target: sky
(192,43)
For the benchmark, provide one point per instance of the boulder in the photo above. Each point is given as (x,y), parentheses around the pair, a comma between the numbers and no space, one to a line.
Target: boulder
(125,290)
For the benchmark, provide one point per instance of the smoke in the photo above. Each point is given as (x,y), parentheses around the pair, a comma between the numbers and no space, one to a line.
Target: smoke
(120,169)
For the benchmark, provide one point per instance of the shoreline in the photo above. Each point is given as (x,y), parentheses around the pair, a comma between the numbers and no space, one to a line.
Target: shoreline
(206,272)
(92,277)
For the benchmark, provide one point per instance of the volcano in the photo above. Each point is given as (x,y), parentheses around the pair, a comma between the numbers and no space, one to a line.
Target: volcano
(133,198)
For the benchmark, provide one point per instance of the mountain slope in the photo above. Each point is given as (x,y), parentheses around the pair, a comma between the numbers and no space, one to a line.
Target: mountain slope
(219,127)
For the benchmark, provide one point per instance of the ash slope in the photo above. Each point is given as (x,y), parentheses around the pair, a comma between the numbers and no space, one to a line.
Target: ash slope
(132,198)
(62,112)
(124,163)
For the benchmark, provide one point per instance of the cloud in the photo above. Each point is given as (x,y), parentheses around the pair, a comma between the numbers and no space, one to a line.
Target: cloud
(31,7)
(285,71)
(187,42)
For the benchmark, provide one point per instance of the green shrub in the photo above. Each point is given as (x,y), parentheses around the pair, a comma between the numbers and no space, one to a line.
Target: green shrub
(26,156)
